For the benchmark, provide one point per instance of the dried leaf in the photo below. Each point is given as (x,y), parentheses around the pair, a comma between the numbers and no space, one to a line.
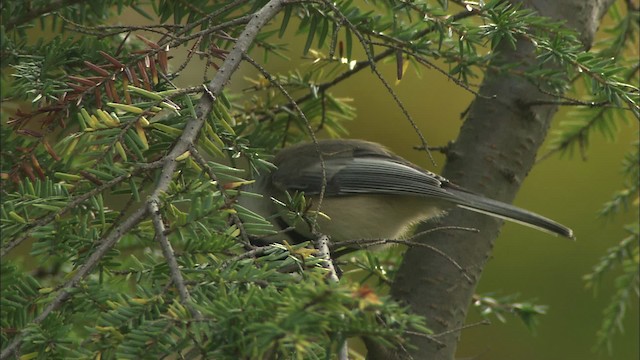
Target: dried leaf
(149,43)
(143,73)
(98,94)
(77,88)
(97,69)
(112,60)
(82,80)
(36,165)
(28,170)
(163,61)
(154,72)
(50,150)
(131,74)
(107,89)
(125,88)
(111,84)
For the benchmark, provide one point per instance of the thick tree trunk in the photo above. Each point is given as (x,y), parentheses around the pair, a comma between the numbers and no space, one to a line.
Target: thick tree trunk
(494,152)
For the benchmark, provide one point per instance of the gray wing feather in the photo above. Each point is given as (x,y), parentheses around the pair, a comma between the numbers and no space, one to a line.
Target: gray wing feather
(365,175)
(374,174)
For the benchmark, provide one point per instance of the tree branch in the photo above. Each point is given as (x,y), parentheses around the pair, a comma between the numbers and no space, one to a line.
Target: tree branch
(35,13)
(170,256)
(321,244)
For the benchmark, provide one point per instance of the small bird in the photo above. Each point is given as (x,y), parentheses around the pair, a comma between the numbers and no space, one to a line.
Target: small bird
(369,193)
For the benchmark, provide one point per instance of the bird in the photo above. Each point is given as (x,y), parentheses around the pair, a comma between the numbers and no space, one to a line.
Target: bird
(368,192)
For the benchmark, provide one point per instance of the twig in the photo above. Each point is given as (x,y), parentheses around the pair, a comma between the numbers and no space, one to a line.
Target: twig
(374,68)
(227,202)
(258,251)
(366,243)
(35,13)
(460,328)
(321,244)
(103,31)
(217,13)
(293,103)
(440,344)
(169,255)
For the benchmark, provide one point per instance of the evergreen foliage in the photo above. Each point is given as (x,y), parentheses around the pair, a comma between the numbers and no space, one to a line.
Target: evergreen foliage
(136,251)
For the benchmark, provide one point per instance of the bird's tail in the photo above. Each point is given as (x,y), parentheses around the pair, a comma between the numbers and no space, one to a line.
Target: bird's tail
(508,212)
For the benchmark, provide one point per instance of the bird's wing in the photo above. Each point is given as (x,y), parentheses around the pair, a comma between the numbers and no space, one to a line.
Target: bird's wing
(364,175)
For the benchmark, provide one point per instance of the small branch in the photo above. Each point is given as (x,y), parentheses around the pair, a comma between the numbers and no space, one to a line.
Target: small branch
(374,68)
(590,124)
(433,336)
(563,100)
(245,19)
(367,243)
(227,202)
(217,13)
(441,149)
(103,31)
(293,103)
(255,252)
(169,255)
(424,61)
(321,244)
(36,13)
(426,336)
(450,331)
